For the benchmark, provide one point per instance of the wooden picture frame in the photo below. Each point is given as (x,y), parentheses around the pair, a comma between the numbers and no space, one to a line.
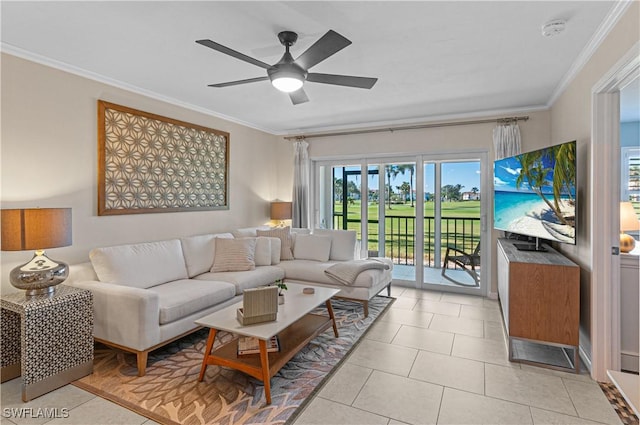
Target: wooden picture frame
(148,163)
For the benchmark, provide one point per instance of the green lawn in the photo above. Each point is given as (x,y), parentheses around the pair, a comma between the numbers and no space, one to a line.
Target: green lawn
(399,227)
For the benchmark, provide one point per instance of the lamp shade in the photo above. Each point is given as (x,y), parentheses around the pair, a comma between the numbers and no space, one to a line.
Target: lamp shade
(628,217)
(280,210)
(35,228)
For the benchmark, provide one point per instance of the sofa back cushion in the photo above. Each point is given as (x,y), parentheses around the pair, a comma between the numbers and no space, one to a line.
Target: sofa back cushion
(284,234)
(263,251)
(199,251)
(343,243)
(276,245)
(140,265)
(234,255)
(248,232)
(312,247)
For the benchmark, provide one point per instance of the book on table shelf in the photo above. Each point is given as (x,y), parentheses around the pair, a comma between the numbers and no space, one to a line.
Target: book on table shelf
(250,345)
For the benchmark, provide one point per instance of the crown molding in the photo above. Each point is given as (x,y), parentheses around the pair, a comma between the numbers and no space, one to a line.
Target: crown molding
(317,131)
(607,24)
(62,66)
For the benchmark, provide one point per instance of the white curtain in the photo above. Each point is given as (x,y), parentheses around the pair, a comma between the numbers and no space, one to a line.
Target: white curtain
(506,140)
(300,199)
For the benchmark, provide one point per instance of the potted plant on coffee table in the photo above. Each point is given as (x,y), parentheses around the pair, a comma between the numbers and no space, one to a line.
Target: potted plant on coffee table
(282,287)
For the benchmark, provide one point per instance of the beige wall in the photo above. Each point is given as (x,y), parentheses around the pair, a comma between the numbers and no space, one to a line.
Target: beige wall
(571,120)
(49,159)
(441,140)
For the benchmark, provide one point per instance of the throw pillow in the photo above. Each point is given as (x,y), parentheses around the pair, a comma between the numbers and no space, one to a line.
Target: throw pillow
(343,243)
(247,232)
(284,234)
(234,255)
(263,251)
(312,247)
(199,252)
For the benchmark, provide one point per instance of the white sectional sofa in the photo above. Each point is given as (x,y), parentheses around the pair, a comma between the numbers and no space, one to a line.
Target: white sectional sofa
(149,294)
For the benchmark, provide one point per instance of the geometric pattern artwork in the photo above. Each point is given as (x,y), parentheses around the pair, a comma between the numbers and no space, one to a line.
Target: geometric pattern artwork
(148,163)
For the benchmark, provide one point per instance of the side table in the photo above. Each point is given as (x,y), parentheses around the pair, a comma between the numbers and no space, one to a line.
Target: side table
(48,339)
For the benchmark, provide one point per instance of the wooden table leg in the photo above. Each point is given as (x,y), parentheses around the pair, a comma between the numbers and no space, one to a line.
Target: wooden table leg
(264,361)
(333,318)
(207,351)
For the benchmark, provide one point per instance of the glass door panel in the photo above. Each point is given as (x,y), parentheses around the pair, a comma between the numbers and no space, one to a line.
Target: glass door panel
(431,257)
(374,244)
(460,218)
(400,218)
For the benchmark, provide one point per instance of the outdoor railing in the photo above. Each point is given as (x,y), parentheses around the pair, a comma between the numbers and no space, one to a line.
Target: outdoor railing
(463,232)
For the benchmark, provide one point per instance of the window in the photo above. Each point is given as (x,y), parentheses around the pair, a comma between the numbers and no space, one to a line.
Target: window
(630,166)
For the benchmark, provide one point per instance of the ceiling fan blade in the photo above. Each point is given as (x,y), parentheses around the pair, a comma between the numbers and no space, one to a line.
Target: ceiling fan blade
(223,49)
(235,83)
(342,80)
(327,45)
(298,96)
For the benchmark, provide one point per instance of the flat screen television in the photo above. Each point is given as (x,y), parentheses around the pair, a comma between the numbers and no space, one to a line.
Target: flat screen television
(535,195)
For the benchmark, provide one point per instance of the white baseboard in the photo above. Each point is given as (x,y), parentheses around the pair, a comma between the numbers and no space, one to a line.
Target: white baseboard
(629,361)
(492,295)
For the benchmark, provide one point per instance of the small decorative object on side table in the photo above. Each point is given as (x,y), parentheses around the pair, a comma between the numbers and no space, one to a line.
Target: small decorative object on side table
(48,339)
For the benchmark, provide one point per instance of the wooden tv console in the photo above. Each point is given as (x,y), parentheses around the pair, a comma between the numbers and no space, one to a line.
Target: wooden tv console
(540,299)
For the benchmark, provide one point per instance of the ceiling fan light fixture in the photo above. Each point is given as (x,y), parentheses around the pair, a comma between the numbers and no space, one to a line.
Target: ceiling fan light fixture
(286,84)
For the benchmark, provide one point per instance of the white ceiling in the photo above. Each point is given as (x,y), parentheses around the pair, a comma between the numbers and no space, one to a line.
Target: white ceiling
(433,59)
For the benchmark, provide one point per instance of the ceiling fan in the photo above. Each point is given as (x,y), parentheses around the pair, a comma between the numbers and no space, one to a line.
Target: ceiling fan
(288,75)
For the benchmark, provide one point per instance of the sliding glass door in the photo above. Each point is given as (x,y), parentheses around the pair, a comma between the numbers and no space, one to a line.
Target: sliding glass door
(410,209)
(452,220)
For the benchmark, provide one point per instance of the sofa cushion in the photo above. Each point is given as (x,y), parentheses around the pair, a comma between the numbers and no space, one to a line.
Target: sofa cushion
(234,255)
(284,234)
(261,276)
(248,232)
(140,265)
(199,252)
(343,243)
(313,271)
(276,246)
(312,247)
(263,251)
(181,298)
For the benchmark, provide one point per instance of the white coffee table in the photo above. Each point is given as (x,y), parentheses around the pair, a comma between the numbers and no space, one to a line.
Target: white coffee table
(295,327)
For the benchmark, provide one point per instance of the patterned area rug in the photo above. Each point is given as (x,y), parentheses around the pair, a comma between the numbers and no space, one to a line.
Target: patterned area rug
(624,411)
(170,393)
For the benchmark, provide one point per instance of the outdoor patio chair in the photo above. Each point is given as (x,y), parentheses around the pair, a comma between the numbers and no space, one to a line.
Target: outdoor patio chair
(469,262)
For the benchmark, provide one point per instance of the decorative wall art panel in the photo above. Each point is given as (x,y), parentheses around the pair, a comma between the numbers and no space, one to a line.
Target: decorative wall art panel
(148,163)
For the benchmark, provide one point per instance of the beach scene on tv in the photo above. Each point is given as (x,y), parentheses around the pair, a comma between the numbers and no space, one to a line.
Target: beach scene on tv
(535,193)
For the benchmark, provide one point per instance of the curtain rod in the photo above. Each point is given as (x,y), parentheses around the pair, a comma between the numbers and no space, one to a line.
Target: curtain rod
(411,127)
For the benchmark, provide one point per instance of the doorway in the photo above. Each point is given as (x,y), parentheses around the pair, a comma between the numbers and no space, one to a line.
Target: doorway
(605,276)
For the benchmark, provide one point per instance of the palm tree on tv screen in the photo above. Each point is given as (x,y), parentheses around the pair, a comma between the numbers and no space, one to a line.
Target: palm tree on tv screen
(534,172)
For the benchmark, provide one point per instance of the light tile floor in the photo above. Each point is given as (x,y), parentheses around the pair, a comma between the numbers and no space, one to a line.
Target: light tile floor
(442,358)
(433,358)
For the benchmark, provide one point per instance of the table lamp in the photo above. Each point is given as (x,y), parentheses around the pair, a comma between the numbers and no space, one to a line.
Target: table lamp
(37,229)
(280,211)
(628,221)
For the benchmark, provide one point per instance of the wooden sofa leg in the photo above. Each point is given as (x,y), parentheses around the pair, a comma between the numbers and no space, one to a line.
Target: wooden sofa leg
(142,362)
(365,304)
